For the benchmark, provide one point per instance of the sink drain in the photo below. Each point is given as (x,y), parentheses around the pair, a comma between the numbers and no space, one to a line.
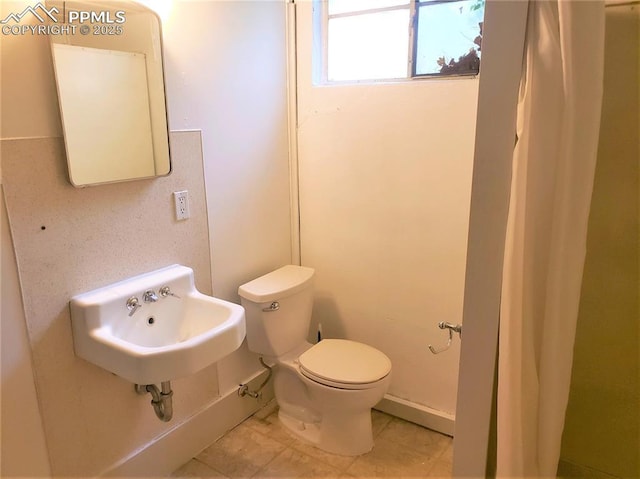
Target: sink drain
(151,320)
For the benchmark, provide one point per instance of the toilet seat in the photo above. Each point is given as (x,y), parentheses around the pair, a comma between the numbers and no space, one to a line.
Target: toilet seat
(344,364)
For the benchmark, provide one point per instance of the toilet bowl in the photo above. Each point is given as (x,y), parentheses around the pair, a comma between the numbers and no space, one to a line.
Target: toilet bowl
(325,391)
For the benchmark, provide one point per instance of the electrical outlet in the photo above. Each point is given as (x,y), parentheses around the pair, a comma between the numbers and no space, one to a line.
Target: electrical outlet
(181,199)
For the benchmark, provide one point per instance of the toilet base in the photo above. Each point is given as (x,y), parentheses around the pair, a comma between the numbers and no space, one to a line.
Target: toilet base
(342,434)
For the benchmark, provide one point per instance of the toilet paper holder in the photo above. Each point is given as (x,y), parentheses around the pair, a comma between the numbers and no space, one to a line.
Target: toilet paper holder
(451,328)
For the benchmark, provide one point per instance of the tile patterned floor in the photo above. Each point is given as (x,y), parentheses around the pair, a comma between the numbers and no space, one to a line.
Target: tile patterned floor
(261,448)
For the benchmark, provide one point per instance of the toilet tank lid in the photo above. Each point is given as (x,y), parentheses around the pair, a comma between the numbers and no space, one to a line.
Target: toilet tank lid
(278,284)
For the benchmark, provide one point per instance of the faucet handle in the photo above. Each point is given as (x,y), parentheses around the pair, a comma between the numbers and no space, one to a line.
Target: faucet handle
(166,291)
(133,304)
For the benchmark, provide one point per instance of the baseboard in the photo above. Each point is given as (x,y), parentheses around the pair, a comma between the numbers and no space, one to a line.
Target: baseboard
(567,469)
(417,413)
(187,439)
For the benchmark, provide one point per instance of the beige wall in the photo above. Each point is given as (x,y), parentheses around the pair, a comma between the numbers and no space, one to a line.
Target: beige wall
(225,70)
(69,241)
(385,182)
(19,414)
(28,94)
(602,432)
(226,75)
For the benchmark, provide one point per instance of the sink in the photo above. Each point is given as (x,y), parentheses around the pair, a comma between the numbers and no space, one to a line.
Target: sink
(155,327)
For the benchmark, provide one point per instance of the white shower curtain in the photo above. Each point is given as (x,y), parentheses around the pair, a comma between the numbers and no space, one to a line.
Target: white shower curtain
(553,169)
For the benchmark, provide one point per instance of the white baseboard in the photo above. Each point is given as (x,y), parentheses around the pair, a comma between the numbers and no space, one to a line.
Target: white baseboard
(417,413)
(187,439)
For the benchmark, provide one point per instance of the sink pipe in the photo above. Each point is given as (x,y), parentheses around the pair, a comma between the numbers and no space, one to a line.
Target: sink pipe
(161,401)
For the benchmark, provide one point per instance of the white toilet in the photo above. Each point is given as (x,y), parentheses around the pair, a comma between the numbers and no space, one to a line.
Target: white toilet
(325,391)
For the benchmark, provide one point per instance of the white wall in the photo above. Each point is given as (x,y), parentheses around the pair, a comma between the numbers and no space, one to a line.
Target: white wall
(226,75)
(385,182)
(225,72)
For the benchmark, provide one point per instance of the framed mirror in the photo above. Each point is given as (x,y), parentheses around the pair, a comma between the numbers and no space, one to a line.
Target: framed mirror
(107,58)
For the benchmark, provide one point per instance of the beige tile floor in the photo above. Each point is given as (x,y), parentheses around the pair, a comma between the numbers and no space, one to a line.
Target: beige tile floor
(261,448)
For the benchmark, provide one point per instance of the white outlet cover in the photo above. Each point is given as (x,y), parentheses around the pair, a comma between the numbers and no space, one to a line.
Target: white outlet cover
(181,200)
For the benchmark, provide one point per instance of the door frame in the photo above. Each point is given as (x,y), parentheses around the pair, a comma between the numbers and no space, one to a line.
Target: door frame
(502,60)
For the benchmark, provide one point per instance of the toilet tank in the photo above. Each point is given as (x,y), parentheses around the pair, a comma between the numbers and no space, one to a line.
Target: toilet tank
(278,309)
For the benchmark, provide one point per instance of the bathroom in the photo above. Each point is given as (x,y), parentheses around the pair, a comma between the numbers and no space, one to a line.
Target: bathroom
(229,108)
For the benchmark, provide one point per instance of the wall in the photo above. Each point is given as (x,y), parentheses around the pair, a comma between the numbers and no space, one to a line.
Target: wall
(70,240)
(28,95)
(98,235)
(603,415)
(20,414)
(385,182)
(226,75)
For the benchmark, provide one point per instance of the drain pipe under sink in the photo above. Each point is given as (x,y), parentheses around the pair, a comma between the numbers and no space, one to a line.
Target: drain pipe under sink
(161,401)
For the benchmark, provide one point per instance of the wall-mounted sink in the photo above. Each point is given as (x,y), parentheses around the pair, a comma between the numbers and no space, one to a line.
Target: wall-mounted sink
(155,327)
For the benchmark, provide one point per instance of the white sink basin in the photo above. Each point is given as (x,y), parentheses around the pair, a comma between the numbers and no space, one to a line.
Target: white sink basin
(174,336)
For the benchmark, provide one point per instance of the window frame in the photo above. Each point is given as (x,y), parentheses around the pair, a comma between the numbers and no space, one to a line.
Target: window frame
(413,6)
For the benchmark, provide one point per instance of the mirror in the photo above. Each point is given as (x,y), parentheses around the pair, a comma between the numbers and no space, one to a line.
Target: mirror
(107,58)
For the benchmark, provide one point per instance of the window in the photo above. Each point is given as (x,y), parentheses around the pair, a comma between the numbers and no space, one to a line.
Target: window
(399,39)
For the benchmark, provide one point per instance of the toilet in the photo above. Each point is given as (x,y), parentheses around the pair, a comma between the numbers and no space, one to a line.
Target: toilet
(325,391)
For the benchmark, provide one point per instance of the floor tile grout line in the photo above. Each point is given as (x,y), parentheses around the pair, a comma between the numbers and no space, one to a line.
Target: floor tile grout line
(342,470)
(264,466)
(444,438)
(261,425)
(383,427)
(265,435)
(293,447)
(211,467)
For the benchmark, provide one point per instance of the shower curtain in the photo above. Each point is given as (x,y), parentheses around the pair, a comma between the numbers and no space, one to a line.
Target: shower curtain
(553,168)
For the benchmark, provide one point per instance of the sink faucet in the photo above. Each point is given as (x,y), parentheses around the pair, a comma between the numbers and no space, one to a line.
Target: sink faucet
(150,296)
(132,305)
